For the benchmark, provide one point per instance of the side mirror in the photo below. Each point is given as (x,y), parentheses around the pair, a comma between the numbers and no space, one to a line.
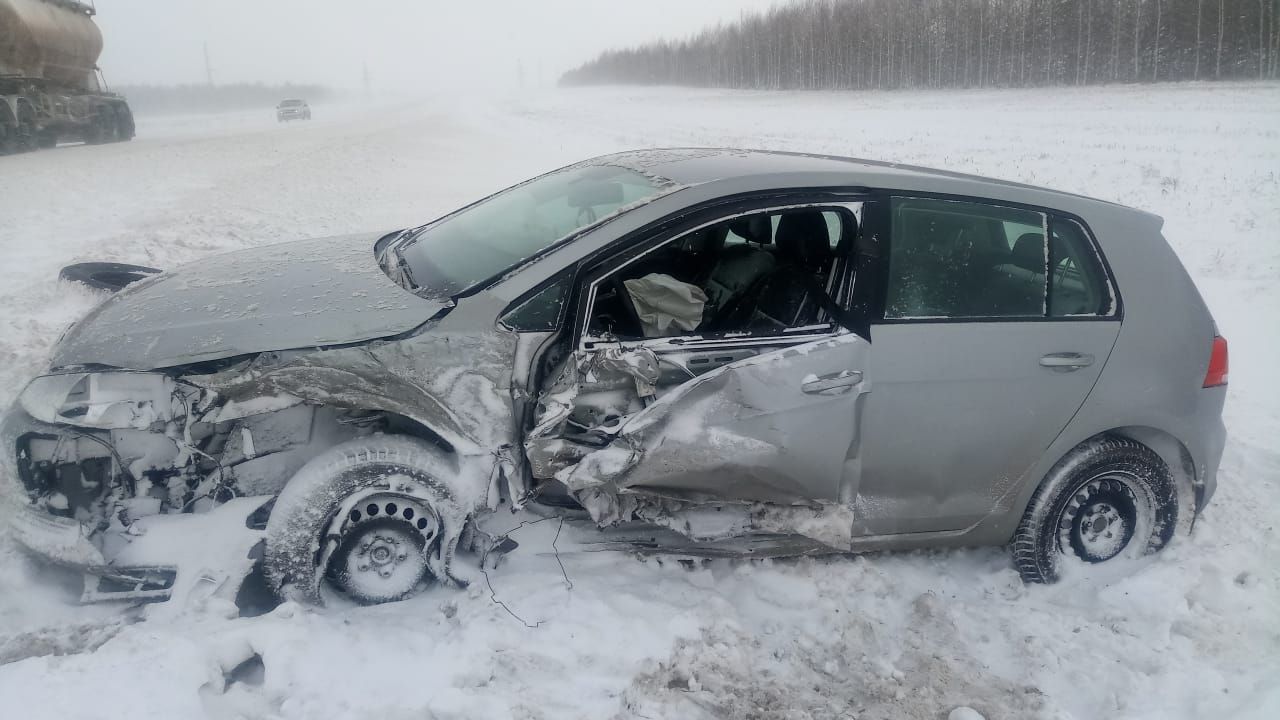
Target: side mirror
(106,276)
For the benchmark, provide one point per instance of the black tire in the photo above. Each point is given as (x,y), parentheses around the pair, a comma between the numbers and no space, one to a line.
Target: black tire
(302,549)
(102,128)
(1110,497)
(25,139)
(125,128)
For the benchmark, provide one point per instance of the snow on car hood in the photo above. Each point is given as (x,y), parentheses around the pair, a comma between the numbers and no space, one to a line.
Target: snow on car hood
(307,293)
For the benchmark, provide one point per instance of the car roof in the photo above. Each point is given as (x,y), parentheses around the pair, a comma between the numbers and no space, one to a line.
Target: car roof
(778,169)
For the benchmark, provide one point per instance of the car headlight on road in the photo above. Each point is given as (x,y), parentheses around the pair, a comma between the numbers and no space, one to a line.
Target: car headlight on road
(106,400)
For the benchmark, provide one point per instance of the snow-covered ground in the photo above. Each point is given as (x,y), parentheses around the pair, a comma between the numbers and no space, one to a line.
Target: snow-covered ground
(1191,633)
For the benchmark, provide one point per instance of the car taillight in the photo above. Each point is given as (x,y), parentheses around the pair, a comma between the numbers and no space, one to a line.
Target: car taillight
(1217,374)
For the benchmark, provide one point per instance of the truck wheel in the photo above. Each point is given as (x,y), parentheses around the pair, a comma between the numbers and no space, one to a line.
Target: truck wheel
(373,518)
(101,129)
(47,140)
(125,129)
(93,133)
(25,140)
(1110,497)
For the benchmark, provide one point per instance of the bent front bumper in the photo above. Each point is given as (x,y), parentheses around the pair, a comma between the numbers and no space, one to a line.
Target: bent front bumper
(157,557)
(152,558)
(59,540)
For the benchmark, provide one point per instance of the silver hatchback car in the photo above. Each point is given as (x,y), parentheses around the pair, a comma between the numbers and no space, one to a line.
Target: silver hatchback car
(709,352)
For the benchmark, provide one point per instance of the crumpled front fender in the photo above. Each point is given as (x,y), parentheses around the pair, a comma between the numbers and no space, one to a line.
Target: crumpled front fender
(457,385)
(352,378)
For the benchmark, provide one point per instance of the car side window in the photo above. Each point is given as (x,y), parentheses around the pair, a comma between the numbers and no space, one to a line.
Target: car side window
(953,259)
(1078,284)
(541,311)
(759,273)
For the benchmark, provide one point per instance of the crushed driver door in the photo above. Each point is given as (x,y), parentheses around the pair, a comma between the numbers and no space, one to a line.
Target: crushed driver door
(758,420)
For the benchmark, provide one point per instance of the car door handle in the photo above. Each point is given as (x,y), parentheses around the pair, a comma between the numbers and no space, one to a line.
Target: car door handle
(832,383)
(1066,361)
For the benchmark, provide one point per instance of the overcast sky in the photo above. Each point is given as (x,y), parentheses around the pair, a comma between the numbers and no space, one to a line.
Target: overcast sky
(407,44)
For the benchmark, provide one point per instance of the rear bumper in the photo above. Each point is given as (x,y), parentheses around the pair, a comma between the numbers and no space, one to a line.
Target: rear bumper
(1209,458)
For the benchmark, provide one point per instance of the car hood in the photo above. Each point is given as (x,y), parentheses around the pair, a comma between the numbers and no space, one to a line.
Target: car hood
(309,293)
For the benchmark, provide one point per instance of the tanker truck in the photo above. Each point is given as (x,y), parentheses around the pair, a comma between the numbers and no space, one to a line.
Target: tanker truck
(50,86)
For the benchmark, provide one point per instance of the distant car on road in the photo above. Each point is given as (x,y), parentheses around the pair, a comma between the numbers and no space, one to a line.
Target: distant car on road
(709,352)
(293,110)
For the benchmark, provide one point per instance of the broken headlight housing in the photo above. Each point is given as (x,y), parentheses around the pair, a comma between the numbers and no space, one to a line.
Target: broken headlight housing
(107,400)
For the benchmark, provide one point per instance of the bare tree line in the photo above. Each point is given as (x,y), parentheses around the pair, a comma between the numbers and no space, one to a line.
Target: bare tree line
(860,44)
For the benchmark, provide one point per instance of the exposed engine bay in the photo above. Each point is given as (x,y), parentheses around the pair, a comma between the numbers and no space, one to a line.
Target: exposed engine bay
(147,444)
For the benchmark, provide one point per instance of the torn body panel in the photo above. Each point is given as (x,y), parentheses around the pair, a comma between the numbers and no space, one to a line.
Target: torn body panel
(243,431)
(775,433)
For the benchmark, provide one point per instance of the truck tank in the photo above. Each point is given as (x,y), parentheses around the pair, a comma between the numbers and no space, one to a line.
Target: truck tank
(49,89)
(53,41)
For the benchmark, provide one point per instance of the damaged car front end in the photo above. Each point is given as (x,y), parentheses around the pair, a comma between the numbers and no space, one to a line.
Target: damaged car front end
(193,398)
(98,455)
(104,461)
(100,459)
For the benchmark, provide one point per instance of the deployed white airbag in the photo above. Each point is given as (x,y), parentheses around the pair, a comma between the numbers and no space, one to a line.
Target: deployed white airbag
(665,304)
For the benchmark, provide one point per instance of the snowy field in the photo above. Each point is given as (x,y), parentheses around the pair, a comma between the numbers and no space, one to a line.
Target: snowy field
(1191,633)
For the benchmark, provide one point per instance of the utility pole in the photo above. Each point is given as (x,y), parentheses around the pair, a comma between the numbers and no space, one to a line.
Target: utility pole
(368,84)
(208,68)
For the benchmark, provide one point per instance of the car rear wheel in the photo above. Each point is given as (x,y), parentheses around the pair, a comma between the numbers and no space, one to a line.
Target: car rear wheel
(369,517)
(1109,498)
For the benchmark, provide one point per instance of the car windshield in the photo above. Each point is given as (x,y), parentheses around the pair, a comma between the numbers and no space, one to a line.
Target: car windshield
(291,103)
(500,232)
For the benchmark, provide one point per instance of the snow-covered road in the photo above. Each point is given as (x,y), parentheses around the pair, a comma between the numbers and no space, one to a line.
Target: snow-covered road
(1191,633)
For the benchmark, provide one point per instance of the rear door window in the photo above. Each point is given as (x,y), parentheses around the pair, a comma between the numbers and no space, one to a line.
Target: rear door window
(959,259)
(951,259)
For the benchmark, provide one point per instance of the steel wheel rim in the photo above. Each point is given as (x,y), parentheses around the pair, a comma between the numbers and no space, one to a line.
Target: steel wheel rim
(1102,516)
(382,543)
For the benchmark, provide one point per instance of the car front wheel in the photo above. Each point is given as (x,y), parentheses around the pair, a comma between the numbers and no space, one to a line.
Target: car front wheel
(370,517)
(1109,498)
